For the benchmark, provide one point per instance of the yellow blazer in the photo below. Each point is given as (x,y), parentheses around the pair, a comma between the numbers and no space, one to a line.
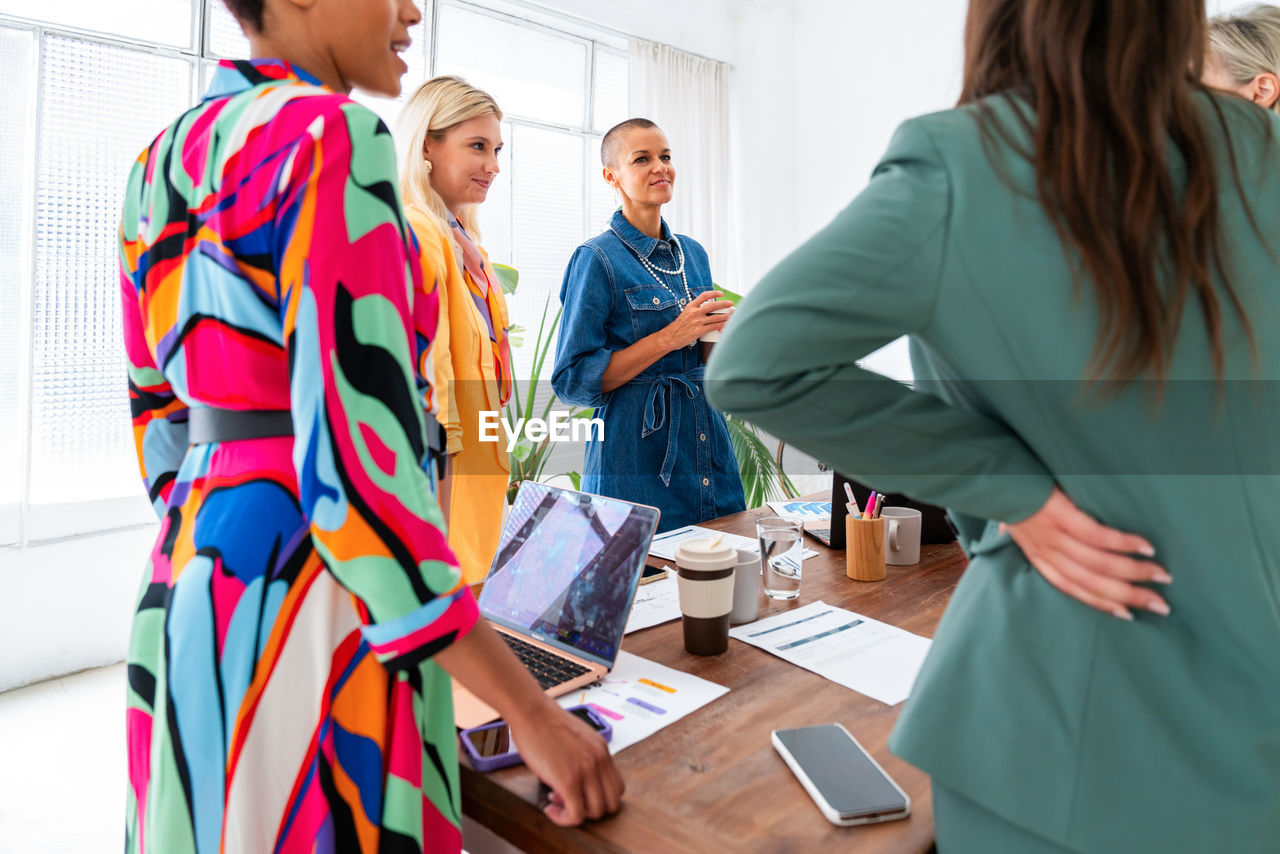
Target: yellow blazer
(465,384)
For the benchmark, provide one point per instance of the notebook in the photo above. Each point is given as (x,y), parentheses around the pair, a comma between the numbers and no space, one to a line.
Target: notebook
(560,587)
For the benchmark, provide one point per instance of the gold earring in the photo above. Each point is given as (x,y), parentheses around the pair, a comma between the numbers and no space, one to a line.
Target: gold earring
(428,162)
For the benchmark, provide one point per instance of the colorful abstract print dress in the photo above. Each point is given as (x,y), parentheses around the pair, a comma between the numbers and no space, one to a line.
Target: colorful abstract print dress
(281,693)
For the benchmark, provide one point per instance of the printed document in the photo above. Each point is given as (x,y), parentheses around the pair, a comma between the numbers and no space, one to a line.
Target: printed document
(860,653)
(640,697)
(655,603)
(803,510)
(664,544)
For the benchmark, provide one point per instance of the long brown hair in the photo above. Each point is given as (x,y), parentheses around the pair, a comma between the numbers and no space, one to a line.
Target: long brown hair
(1110,85)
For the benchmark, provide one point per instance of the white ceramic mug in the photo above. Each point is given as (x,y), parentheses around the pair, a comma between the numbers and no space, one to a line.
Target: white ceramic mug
(746,588)
(901,535)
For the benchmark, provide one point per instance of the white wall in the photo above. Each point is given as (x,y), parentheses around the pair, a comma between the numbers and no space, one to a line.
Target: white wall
(867,65)
(862,67)
(68,605)
(764,114)
(703,27)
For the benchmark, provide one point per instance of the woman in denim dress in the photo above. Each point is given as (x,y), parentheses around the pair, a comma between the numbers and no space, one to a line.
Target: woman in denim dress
(637,299)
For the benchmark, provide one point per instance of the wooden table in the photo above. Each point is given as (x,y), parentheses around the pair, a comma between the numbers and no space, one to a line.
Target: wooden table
(712,781)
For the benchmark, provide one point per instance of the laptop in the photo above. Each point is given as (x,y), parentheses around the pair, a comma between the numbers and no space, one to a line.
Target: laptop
(561,586)
(830,532)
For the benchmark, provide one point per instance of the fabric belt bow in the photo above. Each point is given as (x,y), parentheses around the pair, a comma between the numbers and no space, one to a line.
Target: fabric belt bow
(663,410)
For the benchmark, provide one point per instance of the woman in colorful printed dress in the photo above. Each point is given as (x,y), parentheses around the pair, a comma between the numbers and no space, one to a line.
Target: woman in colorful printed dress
(287,668)
(451,135)
(637,299)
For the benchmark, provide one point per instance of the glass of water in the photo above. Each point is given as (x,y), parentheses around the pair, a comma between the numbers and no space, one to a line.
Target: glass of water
(780,556)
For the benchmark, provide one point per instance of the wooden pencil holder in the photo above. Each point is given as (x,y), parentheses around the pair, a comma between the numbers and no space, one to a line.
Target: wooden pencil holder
(864,549)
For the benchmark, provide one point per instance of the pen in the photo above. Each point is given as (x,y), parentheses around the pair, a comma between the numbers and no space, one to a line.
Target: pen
(871,504)
(853,509)
(879,504)
(848,491)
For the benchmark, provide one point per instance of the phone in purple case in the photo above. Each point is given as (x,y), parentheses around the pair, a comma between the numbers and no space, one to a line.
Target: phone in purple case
(489,746)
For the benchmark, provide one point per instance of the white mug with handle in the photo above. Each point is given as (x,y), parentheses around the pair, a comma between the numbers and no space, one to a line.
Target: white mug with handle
(901,535)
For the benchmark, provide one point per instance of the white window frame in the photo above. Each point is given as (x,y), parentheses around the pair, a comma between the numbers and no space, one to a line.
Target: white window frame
(70,520)
(590,137)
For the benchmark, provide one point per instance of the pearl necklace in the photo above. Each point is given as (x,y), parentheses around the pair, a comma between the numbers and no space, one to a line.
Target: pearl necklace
(654,269)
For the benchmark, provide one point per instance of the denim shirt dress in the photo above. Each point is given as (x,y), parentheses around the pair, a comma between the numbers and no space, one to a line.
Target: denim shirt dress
(663,444)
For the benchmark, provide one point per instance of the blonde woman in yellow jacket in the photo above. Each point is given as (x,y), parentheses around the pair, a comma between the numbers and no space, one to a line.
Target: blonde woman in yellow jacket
(451,136)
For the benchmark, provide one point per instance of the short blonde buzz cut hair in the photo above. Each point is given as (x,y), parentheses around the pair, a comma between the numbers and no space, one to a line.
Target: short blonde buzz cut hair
(612,142)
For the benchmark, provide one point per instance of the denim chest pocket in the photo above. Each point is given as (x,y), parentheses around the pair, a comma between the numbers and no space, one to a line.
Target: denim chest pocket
(651,308)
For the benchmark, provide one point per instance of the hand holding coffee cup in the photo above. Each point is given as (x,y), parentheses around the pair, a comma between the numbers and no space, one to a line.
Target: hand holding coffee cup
(714,335)
(705,572)
(704,314)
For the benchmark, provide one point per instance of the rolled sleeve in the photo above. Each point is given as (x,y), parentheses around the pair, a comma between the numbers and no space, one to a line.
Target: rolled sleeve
(789,361)
(581,352)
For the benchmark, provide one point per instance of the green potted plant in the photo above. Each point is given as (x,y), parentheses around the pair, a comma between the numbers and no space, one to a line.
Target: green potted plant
(528,458)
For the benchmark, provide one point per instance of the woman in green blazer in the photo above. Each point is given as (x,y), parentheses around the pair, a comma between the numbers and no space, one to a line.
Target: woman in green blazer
(1082,256)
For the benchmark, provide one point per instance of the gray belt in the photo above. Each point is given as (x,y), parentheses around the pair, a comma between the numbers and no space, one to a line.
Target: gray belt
(207,424)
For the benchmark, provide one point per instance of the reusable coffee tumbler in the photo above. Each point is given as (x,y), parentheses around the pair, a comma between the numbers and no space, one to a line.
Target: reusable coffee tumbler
(705,572)
(864,549)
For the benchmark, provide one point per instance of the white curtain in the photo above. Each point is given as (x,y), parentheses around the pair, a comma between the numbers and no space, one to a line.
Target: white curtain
(688,97)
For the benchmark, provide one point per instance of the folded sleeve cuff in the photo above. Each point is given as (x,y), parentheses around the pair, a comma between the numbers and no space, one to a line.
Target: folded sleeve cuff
(581,382)
(453,442)
(402,643)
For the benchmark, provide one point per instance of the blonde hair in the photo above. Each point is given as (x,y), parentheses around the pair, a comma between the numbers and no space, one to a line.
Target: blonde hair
(435,108)
(1247,43)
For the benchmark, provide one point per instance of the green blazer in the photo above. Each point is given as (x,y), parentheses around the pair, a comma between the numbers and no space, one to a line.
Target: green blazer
(1160,735)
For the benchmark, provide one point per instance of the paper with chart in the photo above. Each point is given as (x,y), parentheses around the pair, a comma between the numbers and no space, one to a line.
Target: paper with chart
(664,544)
(805,511)
(656,602)
(860,653)
(640,697)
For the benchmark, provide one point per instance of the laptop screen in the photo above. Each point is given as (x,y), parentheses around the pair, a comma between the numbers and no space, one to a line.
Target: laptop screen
(567,567)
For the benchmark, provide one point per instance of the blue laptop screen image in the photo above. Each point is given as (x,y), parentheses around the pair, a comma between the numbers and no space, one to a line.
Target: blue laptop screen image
(567,568)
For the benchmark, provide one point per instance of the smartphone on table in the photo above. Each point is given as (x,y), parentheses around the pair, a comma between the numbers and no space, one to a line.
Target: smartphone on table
(652,573)
(489,746)
(844,781)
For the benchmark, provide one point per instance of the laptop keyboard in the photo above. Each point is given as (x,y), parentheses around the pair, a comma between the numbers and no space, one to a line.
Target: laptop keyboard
(547,667)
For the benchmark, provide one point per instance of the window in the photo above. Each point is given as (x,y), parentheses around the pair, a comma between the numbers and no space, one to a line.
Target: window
(558,92)
(66,452)
(90,84)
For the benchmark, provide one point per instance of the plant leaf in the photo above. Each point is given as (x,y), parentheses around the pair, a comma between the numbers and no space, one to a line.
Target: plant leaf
(728,294)
(523,450)
(508,277)
(762,477)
